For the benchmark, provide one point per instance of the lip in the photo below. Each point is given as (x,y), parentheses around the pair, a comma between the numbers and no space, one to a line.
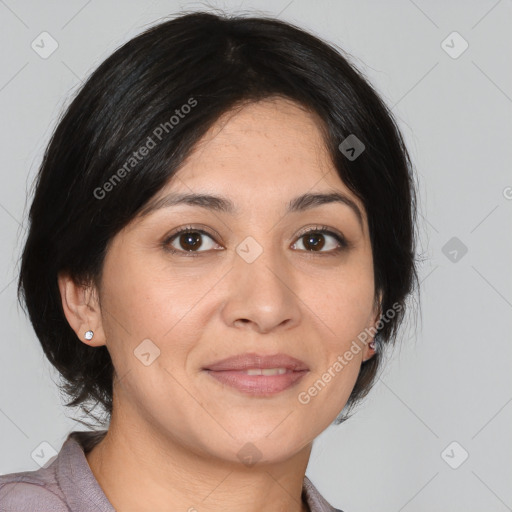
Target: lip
(230,372)
(242,362)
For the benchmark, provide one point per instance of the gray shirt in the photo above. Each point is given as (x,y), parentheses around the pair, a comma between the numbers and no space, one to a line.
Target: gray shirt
(67,484)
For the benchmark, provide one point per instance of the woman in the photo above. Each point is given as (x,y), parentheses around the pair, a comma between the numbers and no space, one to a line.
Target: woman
(221,246)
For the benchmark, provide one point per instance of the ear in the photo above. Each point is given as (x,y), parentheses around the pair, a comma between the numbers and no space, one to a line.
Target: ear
(82,309)
(368,352)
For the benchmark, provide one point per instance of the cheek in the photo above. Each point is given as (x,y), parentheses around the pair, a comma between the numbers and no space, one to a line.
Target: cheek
(340,309)
(146,297)
(342,304)
(143,301)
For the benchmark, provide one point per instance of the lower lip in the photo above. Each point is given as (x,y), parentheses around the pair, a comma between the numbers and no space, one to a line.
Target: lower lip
(262,385)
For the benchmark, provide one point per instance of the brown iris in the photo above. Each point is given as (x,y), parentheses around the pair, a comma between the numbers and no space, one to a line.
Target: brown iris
(190,240)
(314,241)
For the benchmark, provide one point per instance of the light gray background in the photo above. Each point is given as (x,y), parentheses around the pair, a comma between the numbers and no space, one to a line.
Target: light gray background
(451,379)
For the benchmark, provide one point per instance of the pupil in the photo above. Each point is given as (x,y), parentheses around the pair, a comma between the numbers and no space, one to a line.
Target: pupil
(316,244)
(190,239)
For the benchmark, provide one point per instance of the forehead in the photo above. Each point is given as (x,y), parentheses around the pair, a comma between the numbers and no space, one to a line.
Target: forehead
(264,153)
(273,138)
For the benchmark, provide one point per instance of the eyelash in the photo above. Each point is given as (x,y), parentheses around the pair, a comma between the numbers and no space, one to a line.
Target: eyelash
(324,230)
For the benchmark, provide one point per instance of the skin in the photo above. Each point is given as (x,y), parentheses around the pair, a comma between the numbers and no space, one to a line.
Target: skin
(175,431)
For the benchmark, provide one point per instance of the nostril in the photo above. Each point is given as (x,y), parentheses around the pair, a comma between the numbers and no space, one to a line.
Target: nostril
(241,321)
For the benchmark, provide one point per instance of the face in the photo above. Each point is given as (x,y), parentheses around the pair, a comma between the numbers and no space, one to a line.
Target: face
(248,281)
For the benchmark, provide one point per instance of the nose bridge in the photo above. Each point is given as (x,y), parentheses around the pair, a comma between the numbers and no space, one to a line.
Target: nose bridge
(260,288)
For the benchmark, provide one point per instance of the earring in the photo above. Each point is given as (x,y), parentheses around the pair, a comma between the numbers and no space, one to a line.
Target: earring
(372,345)
(89,335)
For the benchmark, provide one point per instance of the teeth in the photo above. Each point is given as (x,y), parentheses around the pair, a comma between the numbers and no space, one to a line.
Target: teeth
(265,371)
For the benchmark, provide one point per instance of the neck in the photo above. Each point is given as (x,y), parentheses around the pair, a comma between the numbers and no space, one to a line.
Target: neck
(142,470)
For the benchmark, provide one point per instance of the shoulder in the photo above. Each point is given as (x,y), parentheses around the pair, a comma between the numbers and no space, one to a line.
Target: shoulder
(65,482)
(316,502)
(31,490)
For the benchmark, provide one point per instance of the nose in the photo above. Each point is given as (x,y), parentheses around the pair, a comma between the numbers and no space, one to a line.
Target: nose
(261,295)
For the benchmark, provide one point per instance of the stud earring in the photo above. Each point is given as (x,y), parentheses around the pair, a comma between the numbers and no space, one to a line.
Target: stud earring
(89,335)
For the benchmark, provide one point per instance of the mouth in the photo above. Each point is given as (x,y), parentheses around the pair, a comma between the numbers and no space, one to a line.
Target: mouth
(258,375)
(255,382)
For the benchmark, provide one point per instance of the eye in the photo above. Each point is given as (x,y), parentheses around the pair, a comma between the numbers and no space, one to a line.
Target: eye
(314,240)
(189,240)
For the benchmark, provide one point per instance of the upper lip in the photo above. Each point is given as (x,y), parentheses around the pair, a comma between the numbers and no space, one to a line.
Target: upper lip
(247,361)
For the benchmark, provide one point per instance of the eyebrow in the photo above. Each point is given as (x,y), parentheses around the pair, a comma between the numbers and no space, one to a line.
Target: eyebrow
(225,205)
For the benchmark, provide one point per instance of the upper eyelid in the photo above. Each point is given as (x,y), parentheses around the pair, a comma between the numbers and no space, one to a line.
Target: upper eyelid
(201,229)
(319,229)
